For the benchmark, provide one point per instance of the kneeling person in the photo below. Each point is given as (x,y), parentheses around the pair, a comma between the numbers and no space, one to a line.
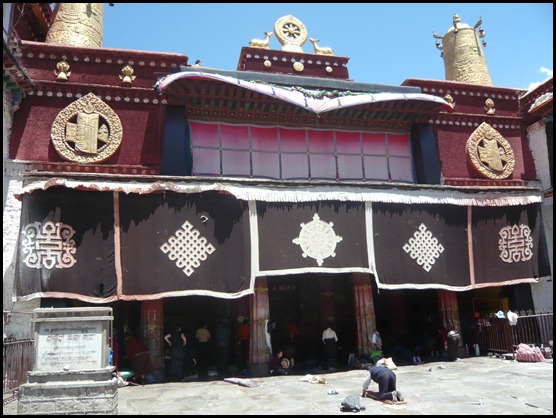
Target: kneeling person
(386,380)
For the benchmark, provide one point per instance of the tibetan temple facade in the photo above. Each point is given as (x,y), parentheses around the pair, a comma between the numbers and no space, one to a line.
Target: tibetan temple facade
(281,191)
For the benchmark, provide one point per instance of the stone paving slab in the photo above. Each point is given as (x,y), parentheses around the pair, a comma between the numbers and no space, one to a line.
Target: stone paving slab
(472,386)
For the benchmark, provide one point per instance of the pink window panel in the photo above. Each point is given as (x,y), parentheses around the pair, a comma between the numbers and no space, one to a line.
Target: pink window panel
(321,141)
(401,169)
(376,168)
(350,167)
(348,142)
(266,164)
(323,166)
(294,166)
(206,162)
(264,139)
(293,140)
(399,145)
(203,134)
(236,163)
(374,143)
(235,137)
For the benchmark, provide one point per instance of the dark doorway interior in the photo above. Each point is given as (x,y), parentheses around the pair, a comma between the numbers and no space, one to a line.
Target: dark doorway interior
(408,321)
(301,300)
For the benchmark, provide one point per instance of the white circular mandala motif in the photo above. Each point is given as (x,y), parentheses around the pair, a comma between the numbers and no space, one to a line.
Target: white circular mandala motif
(317,239)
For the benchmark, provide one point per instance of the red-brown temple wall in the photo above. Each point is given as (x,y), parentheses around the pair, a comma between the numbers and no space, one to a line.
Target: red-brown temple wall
(142,125)
(453,156)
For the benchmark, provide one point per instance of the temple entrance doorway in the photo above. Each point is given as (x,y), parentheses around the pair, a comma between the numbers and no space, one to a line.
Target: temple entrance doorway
(300,307)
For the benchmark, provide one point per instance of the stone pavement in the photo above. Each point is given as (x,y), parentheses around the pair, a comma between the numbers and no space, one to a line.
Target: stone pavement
(472,386)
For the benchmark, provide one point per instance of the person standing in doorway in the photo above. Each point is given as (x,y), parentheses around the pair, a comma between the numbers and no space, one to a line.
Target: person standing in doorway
(222,335)
(176,341)
(330,340)
(453,343)
(203,349)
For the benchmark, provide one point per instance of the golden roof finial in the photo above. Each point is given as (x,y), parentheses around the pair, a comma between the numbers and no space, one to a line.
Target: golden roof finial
(77,24)
(462,50)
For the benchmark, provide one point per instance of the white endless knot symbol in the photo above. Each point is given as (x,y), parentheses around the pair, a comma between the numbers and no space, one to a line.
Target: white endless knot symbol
(515,243)
(48,245)
(317,239)
(423,247)
(187,248)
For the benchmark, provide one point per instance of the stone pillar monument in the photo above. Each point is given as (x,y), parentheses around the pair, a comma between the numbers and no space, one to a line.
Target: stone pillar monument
(71,373)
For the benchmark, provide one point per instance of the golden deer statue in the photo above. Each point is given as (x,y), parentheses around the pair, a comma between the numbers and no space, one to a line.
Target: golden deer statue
(319,50)
(261,43)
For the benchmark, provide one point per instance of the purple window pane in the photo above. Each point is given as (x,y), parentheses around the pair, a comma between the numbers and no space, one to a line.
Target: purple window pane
(206,162)
(323,166)
(264,139)
(350,167)
(293,140)
(376,168)
(348,142)
(401,169)
(398,145)
(266,165)
(294,166)
(374,143)
(321,141)
(203,134)
(235,137)
(236,163)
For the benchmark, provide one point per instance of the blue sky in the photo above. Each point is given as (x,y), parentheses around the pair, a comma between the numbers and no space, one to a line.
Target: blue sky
(386,43)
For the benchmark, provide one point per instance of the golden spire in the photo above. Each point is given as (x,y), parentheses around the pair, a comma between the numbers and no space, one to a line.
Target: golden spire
(464,57)
(77,24)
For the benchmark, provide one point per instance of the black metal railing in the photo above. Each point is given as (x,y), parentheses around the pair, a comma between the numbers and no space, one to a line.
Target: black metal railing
(496,335)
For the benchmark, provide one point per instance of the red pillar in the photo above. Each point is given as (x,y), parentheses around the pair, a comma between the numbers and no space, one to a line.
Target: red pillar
(152,330)
(449,312)
(259,352)
(365,316)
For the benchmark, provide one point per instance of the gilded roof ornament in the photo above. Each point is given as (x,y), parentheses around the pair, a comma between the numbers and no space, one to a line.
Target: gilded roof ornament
(62,71)
(462,50)
(127,76)
(261,43)
(291,33)
(320,50)
(77,24)
(489,153)
(87,131)
(450,100)
(489,106)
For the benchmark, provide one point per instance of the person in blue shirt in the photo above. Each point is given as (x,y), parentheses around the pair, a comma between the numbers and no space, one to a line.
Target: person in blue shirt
(386,380)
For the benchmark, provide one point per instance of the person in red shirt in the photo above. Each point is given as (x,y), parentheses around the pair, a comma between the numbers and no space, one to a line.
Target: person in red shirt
(138,357)
(244,343)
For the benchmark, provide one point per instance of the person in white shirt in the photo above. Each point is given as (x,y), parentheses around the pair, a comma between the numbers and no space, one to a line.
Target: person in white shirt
(330,339)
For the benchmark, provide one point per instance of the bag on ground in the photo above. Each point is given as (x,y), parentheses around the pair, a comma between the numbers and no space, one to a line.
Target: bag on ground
(351,404)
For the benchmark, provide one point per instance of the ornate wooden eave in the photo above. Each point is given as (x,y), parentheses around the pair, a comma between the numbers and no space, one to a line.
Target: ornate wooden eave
(538,102)
(213,99)
(31,21)
(15,77)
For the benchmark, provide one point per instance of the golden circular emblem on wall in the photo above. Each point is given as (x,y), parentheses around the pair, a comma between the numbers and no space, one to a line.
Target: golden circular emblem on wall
(298,66)
(489,153)
(87,131)
(291,33)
